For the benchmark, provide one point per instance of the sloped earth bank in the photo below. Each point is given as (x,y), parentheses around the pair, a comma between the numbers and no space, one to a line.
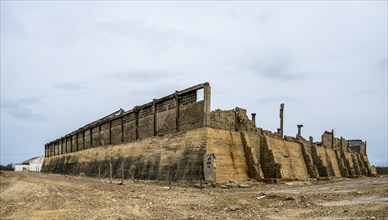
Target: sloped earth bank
(50,196)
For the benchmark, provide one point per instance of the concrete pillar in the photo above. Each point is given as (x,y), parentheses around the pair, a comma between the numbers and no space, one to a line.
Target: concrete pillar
(110,132)
(281,119)
(83,139)
(67,150)
(91,137)
(99,136)
(76,142)
(60,142)
(254,118)
(176,111)
(299,130)
(122,129)
(136,111)
(206,99)
(71,143)
(154,114)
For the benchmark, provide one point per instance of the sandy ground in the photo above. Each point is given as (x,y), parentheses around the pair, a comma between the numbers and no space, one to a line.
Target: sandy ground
(50,196)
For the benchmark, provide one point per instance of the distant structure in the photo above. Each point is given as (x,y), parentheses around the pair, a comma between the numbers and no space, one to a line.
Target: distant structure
(33,165)
(178,138)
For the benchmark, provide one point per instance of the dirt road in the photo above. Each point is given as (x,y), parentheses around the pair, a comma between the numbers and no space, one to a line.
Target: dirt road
(49,196)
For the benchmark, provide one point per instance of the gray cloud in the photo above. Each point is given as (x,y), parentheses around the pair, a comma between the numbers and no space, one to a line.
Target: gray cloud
(21,108)
(277,71)
(383,65)
(139,75)
(71,86)
(270,100)
(146,35)
(9,23)
(275,65)
(262,17)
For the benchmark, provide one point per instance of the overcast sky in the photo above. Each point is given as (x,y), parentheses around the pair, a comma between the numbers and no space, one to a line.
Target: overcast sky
(65,64)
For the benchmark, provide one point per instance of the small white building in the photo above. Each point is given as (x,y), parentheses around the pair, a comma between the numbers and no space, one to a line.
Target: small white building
(34,165)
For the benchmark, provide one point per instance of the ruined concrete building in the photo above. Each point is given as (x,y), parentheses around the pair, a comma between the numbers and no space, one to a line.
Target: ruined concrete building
(177,137)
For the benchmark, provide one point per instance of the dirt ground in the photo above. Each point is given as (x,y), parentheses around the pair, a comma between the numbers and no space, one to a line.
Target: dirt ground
(50,196)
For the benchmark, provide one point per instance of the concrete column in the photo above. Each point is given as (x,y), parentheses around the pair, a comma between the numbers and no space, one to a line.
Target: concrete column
(176,111)
(154,114)
(63,147)
(136,111)
(91,137)
(110,132)
(99,136)
(206,99)
(254,118)
(67,150)
(76,142)
(299,130)
(122,129)
(83,139)
(281,119)
(71,143)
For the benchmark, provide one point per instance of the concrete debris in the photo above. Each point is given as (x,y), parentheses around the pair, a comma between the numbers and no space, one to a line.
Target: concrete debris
(232,208)
(243,185)
(289,198)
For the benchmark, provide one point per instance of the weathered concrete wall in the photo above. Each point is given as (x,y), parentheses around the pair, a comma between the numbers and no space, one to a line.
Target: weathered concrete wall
(239,156)
(326,161)
(328,139)
(358,146)
(191,116)
(308,158)
(229,153)
(287,160)
(150,158)
(233,120)
(181,111)
(171,135)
